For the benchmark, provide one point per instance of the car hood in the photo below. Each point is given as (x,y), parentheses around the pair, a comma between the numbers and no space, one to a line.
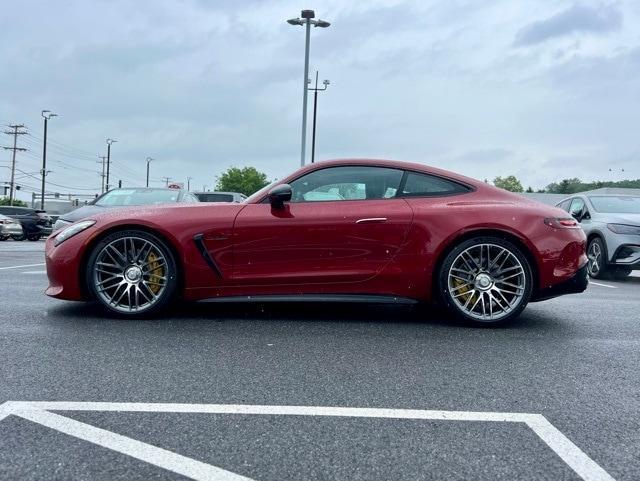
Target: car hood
(82,213)
(629,219)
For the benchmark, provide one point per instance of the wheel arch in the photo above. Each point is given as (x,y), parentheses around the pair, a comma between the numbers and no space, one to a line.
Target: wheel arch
(84,289)
(486,232)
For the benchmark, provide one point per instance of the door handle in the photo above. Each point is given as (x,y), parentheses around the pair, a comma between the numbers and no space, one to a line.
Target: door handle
(372,220)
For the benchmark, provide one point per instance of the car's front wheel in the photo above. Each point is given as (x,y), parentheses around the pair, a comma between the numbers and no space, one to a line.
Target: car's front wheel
(18,237)
(132,273)
(485,281)
(597,267)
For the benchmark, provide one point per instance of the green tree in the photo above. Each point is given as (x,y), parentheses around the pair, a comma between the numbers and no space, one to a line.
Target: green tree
(246,180)
(16,202)
(510,183)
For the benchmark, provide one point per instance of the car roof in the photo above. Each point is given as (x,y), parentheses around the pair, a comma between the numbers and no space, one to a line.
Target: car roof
(394,164)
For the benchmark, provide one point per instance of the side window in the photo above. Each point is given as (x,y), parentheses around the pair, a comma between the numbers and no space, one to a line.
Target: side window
(425,184)
(347,183)
(564,205)
(577,205)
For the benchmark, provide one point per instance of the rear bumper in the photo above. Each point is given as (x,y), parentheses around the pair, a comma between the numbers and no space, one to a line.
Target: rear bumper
(574,285)
(10,229)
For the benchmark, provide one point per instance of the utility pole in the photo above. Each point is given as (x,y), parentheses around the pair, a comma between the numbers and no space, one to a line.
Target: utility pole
(46,115)
(189,183)
(18,129)
(109,142)
(315,109)
(103,175)
(149,159)
(166,181)
(306,21)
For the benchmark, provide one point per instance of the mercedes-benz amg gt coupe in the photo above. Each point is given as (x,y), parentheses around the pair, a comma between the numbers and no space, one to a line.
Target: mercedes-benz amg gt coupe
(344,230)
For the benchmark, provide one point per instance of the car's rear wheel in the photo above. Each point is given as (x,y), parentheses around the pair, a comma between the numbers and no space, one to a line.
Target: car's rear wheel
(597,266)
(34,237)
(18,237)
(485,281)
(132,273)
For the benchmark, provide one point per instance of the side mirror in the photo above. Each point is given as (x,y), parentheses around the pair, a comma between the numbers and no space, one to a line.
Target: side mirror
(279,195)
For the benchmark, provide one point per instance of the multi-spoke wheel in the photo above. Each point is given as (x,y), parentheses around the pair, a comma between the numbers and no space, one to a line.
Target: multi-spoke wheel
(597,266)
(131,273)
(486,280)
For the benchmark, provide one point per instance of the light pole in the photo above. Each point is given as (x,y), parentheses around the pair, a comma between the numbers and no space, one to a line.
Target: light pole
(46,115)
(109,142)
(315,109)
(149,159)
(306,21)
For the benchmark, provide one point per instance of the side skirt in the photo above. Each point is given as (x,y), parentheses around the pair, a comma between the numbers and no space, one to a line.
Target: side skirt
(355,298)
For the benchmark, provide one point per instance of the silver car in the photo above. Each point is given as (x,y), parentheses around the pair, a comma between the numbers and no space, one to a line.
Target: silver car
(612,226)
(9,227)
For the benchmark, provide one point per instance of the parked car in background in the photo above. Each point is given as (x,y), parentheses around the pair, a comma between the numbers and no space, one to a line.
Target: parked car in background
(126,197)
(612,226)
(220,196)
(35,223)
(9,227)
(347,230)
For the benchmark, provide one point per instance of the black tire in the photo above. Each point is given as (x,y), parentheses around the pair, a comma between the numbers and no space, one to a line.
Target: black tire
(597,253)
(3,238)
(17,237)
(519,301)
(34,237)
(165,295)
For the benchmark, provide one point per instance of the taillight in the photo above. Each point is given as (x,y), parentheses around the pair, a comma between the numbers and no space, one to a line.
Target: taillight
(562,222)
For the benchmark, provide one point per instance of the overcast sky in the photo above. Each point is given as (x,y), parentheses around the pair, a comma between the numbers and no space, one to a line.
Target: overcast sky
(539,89)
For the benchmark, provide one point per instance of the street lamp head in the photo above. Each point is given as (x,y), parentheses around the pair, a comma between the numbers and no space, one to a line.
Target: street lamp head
(45,112)
(325,82)
(308,14)
(295,21)
(111,141)
(322,24)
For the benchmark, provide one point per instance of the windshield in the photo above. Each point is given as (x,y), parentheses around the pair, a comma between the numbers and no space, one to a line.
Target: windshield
(616,204)
(123,197)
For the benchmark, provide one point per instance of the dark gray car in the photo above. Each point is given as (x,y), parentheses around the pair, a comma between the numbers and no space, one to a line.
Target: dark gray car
(612,226)
(125,197)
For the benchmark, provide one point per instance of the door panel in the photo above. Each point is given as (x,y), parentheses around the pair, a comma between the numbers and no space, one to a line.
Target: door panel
(318,242)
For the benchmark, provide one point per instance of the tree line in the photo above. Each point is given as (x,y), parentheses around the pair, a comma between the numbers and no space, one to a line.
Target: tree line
(565,186)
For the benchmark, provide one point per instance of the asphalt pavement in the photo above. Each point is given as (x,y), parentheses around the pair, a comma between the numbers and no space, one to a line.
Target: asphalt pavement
(199,393)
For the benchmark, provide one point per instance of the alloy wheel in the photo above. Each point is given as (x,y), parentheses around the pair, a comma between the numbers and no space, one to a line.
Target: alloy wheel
(487,282)
(130,274)
(595,258)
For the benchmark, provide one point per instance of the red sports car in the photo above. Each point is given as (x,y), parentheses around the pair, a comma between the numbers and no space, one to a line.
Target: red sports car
(344,230)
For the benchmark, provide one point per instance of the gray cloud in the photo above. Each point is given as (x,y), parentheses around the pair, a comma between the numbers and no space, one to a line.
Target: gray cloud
(577,18)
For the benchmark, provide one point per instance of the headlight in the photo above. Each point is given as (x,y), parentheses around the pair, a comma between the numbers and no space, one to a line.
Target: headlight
(624,229)
(72,230)
(61,224)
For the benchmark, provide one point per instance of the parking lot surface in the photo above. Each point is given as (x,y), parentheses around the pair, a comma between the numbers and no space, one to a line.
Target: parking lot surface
(199,393)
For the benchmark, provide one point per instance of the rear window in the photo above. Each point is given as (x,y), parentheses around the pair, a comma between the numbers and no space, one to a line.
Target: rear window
(426,185)
(215,197)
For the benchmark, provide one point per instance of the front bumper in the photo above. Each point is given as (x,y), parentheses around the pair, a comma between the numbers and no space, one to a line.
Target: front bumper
(574,285)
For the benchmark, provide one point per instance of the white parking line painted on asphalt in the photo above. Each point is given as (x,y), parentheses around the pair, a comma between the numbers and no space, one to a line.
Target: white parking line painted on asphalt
(20,267)
(37,411)
(137,449)
(33,272)
(602,285)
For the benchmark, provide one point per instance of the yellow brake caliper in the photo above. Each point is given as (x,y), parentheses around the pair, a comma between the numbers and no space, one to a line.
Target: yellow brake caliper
(467,291)
(156,273)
